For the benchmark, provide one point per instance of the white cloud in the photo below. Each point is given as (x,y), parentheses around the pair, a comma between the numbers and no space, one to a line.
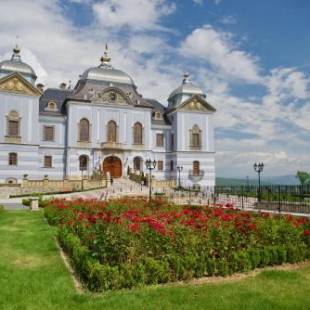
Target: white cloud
(278,120)
(228,20)
(218,49)
(200,2)
(136,14)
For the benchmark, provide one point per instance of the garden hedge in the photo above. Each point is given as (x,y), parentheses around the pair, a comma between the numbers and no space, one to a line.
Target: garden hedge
(127,243)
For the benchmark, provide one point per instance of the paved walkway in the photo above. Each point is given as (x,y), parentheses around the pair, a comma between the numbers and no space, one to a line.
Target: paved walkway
(125,187)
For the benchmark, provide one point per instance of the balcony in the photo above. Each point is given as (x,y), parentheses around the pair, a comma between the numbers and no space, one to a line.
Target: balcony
(112,146)
(136,146)
(195,147)
(12,139)
(195,177)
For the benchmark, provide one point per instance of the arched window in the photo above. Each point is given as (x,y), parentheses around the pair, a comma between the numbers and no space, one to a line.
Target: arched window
(112,131)
(137,133)
(13,126)
(171,165)
(137,163)
(196,167)
(195,137)
(12,159)
(84,130)
(83,161)
(51,106)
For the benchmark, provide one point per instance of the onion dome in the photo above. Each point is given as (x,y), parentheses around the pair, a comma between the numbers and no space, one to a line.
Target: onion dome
(15,64)
(105,72)
(186,90)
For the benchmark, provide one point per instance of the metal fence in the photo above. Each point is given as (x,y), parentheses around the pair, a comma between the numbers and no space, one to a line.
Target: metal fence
(280,198)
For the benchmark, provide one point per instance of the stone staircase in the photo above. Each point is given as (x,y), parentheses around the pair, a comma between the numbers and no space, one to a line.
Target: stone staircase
(126,187)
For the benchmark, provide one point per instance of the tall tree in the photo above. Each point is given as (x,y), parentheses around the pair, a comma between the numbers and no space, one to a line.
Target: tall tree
(303,177)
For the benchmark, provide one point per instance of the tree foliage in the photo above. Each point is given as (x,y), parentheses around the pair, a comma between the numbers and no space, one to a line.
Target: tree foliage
(303,177)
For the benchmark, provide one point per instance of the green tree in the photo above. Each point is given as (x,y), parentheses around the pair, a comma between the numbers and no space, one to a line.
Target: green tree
(303,177)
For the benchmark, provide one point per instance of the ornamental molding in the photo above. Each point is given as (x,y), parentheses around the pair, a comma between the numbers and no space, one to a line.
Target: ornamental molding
(112,96)
(196,104)
(15,83)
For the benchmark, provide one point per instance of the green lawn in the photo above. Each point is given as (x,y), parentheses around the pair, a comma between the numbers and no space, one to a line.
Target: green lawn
(33,276)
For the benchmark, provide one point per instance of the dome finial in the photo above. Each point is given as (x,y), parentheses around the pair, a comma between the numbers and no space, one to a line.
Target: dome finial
(105,59)
(185,78)
(16,53)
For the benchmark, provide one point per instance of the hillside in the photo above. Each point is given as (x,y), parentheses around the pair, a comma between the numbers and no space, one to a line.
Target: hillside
(276,180)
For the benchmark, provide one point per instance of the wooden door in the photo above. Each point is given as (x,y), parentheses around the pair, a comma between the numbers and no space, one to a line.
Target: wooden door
(113,165)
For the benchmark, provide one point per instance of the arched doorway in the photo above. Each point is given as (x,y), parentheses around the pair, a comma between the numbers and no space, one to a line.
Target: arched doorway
(113,165)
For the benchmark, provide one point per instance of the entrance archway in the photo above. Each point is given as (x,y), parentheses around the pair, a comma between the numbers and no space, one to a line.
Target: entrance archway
(113,165)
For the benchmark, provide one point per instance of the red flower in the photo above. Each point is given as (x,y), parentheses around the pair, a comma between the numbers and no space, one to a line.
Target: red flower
(134,227)
(307,232)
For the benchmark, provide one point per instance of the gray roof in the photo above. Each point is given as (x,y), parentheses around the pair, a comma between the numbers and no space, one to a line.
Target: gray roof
(90,89)
(107,74)
(158,107)
(15,64)
(56,95)
(186,88)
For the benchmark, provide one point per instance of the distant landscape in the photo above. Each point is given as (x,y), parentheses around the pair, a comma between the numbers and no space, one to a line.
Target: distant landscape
(273,180)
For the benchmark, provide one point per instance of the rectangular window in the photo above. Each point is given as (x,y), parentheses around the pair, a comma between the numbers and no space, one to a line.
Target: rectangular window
(12,159)
(172,141)
(160,165)
(196,140)
(48,161)
(13,128)
(159,139)
(48,133)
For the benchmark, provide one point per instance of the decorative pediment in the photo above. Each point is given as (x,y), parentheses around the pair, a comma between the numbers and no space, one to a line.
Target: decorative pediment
(112,96)
(196,104)
(15,83)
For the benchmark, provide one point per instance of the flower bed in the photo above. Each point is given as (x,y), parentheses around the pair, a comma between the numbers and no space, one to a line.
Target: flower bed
(126,243)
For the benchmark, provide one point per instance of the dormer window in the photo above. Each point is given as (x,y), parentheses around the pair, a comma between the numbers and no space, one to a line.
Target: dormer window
(156,115)
(51,106)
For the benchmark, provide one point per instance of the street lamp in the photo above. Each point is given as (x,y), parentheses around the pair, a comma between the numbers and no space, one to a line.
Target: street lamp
(150,165)
(179,168)
(259,168)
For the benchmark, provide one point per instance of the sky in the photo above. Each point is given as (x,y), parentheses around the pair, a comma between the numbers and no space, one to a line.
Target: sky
(252,58)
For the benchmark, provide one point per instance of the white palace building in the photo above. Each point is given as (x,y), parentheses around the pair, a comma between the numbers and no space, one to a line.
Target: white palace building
(102,124)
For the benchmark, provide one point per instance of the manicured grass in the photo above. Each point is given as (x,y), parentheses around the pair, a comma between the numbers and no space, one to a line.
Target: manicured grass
(33,276)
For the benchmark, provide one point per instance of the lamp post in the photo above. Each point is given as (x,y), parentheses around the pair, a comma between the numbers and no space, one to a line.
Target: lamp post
(150,166)
(259,168)
(179,168)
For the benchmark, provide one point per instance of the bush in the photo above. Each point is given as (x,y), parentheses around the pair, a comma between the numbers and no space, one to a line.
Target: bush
(126,243)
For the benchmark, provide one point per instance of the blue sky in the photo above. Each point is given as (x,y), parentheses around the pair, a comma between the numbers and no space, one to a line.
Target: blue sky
(251,57)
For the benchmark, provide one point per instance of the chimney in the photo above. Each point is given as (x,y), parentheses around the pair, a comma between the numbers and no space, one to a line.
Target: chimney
(40,87)
(63,85)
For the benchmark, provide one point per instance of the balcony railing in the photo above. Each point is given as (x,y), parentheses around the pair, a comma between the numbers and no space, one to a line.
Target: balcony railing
(12,139)
(195,147)
(196,177)
(112,145)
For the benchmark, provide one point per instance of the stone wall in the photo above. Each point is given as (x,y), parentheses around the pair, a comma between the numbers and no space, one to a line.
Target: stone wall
(64,185)
(162,184)
(6,190)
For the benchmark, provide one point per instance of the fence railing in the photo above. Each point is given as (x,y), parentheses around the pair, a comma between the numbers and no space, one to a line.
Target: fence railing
(281,198)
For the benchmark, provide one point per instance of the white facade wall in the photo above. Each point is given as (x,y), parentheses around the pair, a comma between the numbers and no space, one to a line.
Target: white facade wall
(66,149)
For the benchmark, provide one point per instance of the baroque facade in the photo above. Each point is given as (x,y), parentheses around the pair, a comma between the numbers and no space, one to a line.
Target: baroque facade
(102,125)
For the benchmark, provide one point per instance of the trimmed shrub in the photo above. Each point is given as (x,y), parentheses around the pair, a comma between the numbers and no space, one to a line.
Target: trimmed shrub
(127,243)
